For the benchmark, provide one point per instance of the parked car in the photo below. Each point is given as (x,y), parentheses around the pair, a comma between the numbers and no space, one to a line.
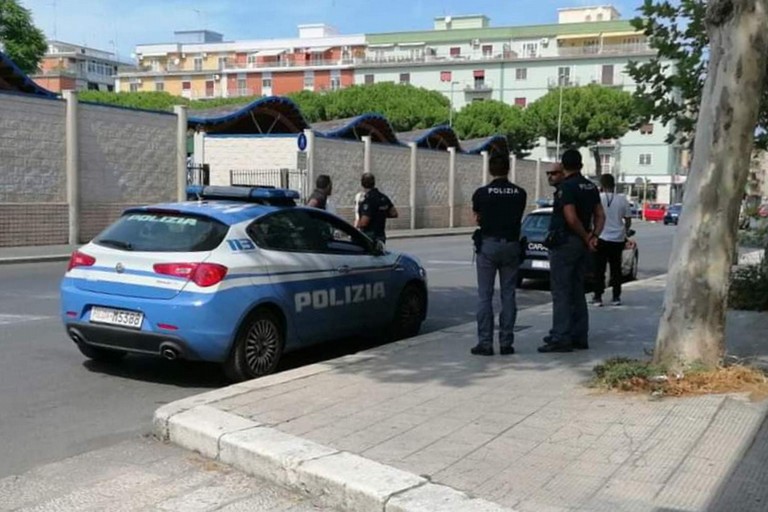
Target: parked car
(654,212)
(634,211)
(673,214)
(535,263)
(238,276)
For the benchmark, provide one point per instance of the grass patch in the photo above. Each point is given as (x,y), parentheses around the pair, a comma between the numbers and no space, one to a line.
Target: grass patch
(638,376)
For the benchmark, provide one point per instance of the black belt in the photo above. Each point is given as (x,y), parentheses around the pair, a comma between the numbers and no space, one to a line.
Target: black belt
(501,239)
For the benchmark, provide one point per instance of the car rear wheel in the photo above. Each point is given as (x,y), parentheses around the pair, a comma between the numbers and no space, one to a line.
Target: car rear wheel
(103,355)
(258,347)
(410,313)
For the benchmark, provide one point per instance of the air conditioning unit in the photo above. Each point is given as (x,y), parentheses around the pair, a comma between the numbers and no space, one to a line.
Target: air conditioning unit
(139,81)
(176,61)
(544,41)
(183,55)
(205,55)
(475,43)
(217,77)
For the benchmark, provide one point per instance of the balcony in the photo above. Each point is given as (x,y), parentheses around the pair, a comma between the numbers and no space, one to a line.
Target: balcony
(57,71)
(607,82)
(285,63)
(606,49)
(479,87)
(552,82)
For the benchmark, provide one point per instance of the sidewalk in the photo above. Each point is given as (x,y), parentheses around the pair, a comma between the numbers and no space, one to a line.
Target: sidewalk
(421,425)
(44,253)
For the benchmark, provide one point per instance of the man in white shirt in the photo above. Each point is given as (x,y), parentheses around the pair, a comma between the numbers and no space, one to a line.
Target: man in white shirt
(610,246)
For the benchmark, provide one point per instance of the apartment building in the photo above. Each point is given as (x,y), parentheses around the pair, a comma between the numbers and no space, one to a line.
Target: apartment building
(200,64)
(463,57)
(69,66)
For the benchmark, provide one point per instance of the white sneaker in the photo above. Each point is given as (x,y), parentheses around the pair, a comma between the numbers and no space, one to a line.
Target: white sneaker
(616,302)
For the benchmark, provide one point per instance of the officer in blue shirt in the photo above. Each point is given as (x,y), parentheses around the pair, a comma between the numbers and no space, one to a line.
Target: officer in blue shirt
(577,220)
(498,209)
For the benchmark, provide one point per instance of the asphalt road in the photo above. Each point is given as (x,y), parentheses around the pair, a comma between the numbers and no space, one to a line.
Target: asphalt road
(55,404)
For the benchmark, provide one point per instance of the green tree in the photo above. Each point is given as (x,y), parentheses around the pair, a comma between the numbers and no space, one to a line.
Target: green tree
(709,79)
(407,107)
(670,85)
(311,104)
(589,114)
(486,118)
(21,40)
(144,100)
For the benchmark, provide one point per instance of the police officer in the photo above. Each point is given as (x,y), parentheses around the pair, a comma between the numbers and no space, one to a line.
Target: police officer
(498,209)
(374,210)
(323,189)
(577,221)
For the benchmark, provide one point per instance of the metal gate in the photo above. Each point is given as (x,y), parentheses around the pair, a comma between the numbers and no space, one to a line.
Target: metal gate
(295,179)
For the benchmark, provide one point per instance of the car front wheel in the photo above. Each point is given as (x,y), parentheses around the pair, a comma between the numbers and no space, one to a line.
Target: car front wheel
(258,348)
(410,313)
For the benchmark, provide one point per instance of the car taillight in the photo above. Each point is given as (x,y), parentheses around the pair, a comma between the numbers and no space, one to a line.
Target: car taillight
(80,259)
(202,274)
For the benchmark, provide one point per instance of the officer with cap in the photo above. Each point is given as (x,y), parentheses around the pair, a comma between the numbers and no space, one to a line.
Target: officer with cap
(498,209)
(577,221)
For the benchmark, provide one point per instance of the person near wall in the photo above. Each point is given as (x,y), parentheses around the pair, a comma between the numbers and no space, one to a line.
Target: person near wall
(498,209)
(610,245)
(374,210)
(323,190)
(576,223)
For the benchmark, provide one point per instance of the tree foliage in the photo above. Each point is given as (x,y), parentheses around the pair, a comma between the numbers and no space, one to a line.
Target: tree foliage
(144,100)
(22,41)
(487,118)
(590,114)
(311,104)
(405,106)
(670,84)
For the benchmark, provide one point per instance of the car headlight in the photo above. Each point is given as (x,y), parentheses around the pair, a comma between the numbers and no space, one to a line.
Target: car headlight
(422,272)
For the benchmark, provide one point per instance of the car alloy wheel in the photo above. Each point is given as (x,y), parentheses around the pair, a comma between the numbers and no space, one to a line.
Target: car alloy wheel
(258,347)
(409,314)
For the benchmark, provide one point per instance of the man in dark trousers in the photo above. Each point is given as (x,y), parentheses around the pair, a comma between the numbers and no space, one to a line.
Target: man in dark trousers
(323,189)
(498,208)
(374,210)
(577,221)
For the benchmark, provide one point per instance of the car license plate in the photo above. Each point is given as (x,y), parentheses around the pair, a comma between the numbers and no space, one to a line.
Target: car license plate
(119,317)
(540,264)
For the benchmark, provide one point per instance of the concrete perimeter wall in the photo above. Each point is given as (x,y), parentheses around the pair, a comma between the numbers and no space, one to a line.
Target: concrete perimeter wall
(123,157)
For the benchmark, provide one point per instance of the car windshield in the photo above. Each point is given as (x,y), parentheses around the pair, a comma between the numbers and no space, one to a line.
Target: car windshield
(163,232)
(676,208)
(536,224)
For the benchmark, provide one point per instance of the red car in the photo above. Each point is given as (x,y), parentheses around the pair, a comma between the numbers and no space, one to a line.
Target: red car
(654,211)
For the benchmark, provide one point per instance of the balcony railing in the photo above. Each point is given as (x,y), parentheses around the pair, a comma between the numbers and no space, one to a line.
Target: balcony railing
(606,49)
(552,82)
(479,87)
(57,71)
(285,63)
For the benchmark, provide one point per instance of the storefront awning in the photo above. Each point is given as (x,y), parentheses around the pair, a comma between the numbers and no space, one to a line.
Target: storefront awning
(271,53)
(622,34)
(404,45)
(319,50)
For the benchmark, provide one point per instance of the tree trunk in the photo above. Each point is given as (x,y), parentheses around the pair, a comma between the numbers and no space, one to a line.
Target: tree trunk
(692,326)
(598,165)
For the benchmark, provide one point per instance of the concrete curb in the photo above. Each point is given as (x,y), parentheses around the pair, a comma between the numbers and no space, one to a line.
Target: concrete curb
(34,259)
(336,478)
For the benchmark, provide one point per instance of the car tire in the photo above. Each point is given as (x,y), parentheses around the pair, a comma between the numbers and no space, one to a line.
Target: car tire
(103,355)
(409,314)
(258,347)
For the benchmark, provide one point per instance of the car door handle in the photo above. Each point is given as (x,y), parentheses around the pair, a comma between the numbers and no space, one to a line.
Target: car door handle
(344,269)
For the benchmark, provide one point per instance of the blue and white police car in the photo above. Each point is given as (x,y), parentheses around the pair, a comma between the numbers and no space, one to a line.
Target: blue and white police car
(237,275)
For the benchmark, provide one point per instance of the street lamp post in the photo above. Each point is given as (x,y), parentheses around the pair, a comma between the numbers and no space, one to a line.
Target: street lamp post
(560,80)
(450,112)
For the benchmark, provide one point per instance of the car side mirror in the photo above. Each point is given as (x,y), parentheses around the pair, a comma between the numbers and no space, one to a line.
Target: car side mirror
(631,232)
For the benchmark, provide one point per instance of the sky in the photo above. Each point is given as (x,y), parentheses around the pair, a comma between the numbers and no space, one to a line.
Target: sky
(119,25)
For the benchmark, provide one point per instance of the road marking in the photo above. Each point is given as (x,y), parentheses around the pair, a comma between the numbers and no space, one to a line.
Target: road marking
(18,319)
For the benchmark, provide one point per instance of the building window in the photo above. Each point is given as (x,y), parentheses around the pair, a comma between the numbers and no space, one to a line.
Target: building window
(455,51)
(198,63)
(242,85)
(607,75)
(134,87)
(368,79)
(335,80)
(645,159)
(405,78)
(445,76)
(159,86)
(222,62)
(521,74)
(564,75)
(646,129)
(479,77)
(251,59)
(606,162)
(530,50)
(309,79)
(487,50)
(185,85)
(266,81)
(521,102)
(599,16)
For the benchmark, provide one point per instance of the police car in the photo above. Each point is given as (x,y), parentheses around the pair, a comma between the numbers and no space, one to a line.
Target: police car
(238,276)
(535,264)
